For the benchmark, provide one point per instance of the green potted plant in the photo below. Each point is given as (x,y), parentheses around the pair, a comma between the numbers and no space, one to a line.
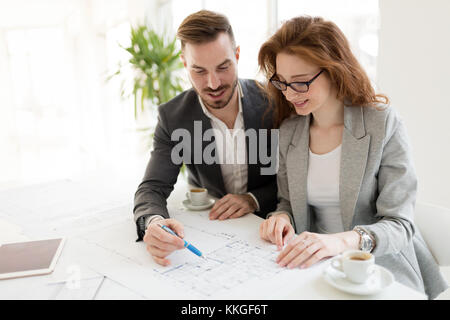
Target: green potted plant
(153,71)
(155,64)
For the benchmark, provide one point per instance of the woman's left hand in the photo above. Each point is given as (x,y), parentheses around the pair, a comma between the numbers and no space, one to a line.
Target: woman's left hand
(308,248)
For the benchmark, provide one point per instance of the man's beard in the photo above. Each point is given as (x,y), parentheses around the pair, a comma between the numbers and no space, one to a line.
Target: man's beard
(220,104)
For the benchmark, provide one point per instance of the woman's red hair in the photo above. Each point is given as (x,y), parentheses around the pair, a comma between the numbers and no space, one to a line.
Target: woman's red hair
(323,44)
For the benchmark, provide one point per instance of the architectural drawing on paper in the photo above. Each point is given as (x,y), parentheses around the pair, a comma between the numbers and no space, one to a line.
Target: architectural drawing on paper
(227,267)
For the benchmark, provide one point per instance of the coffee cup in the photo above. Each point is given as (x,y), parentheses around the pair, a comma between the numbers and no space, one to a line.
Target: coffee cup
(197,196)
(357,265)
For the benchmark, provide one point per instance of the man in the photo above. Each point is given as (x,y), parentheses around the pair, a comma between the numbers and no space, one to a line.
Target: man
(218,102)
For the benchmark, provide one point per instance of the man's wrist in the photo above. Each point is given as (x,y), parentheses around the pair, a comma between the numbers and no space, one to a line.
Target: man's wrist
(252,202)
(255,202)
(151,219)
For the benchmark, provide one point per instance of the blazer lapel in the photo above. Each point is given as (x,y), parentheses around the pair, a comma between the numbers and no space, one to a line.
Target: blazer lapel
(251,119)
(355,149)
(297,166)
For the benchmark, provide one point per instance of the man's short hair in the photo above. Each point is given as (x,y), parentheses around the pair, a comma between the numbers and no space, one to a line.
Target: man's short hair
(203,26)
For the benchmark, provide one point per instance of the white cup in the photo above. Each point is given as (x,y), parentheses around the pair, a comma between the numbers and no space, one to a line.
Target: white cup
(197,196)
(357,265)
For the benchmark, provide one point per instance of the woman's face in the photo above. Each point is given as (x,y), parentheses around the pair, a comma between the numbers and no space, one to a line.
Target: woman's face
(291,68)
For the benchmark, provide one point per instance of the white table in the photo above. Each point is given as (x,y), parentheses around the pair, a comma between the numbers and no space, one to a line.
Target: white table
(101,259)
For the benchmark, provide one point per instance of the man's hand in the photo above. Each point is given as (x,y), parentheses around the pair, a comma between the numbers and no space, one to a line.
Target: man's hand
(232,206)
(160,243)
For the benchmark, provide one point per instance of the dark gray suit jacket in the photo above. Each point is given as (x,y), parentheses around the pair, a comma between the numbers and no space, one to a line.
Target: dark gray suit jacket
(161,173)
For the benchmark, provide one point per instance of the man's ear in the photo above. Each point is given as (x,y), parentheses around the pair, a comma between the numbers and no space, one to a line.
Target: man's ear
(238,51)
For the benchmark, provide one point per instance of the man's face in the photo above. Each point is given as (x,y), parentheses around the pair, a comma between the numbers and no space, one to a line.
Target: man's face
(212,69)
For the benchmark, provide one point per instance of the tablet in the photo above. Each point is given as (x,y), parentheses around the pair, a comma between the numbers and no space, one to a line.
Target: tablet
(30,258)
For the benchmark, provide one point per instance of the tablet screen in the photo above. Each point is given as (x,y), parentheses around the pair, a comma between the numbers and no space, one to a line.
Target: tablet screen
(27,256)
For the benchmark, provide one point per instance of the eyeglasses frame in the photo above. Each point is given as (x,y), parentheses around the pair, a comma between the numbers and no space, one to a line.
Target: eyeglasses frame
(307,83)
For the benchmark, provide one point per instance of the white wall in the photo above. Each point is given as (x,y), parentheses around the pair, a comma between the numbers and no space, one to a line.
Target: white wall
(414,71)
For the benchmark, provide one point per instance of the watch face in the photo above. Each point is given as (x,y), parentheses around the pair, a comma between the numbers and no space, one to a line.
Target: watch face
(366,243)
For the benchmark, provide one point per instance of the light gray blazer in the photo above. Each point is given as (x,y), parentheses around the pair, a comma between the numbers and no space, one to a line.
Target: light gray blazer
(377,190)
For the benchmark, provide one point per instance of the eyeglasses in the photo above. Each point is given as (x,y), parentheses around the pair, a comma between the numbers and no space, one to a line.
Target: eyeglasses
(301,87)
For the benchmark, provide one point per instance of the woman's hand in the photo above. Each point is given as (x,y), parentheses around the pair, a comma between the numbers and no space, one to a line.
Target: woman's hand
(277,229)
(308,248)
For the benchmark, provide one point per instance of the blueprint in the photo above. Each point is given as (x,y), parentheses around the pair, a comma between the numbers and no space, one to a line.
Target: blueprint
(226,268)
(236,257)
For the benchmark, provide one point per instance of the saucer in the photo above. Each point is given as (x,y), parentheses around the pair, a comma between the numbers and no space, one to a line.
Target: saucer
(380,280)
(209,203)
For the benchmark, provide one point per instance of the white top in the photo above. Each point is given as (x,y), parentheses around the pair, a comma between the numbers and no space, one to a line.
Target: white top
(323,190)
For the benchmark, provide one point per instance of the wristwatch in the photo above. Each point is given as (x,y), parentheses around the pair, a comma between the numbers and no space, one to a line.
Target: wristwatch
(367,242)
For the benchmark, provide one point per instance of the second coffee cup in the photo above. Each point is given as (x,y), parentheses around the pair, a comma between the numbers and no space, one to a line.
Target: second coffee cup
(357,265)
(197,196)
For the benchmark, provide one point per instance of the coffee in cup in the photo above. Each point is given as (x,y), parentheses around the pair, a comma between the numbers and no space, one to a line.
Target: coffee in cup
(357,265)
(362,257)
(197,196)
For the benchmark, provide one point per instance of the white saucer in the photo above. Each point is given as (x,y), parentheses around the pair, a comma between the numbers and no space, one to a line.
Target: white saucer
(380,280)
(209,203)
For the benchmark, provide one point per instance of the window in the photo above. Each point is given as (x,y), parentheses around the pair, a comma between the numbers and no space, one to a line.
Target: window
(60,118)
(248,19)
(251,21)
(40,82)
(358,19)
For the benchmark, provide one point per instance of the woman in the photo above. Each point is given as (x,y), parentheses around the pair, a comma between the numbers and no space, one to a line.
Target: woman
(346,178)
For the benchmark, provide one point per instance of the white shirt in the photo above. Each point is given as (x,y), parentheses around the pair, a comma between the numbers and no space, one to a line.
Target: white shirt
(323,190)
(231,149)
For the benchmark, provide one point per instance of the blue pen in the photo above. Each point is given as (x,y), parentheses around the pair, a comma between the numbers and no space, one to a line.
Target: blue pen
(186,244)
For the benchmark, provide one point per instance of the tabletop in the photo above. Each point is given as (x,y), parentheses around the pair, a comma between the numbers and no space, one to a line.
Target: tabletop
(102,260)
